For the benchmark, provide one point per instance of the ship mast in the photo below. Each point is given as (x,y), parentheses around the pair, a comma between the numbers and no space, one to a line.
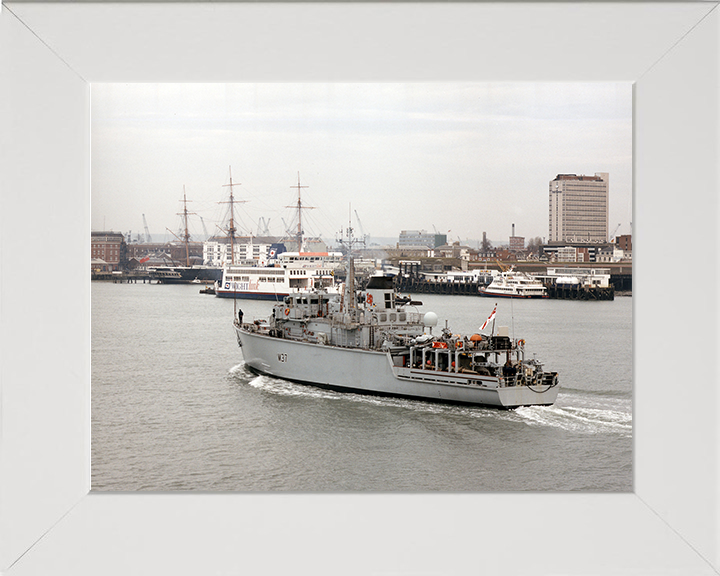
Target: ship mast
(231,229)
(186,234)
(300,208)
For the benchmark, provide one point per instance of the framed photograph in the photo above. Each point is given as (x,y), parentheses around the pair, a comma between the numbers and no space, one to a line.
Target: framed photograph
(53,53)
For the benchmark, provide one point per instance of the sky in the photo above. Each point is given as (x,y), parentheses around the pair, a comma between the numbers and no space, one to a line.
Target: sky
(457,158)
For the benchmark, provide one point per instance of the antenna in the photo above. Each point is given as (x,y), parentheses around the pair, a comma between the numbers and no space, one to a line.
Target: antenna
(349,241)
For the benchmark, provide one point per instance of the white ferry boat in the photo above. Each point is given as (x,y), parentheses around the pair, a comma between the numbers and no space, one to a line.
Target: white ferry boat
(372,342)
(289,273)
(513,284)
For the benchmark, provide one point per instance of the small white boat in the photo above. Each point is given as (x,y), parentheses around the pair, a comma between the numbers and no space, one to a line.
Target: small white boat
(513,284)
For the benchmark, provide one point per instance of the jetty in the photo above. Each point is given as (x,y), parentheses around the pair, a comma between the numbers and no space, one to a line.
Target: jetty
(566,282)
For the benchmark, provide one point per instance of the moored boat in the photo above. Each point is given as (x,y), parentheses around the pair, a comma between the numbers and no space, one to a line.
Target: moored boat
(513,284)
(375,343)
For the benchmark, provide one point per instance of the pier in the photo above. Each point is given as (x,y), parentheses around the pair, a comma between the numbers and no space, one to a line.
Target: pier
(578,292)
(422,286)
(411,280)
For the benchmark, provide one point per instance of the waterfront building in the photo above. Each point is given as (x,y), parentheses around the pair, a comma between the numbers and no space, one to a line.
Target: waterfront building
(110,247)
(248,251)
(624,242)
(517,243)
(578,208)
(409,252)
(572,252)
(454,250)
(421,238)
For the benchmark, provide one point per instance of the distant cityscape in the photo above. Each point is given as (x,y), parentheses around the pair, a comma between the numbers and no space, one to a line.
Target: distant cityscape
(578,232)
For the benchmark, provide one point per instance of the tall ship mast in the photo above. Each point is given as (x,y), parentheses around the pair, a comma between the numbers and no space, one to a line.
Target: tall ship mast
(231,230)
(182,274)
(300,208)
(186,232)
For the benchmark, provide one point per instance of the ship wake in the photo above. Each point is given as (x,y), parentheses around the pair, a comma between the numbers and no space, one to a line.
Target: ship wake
(579,420)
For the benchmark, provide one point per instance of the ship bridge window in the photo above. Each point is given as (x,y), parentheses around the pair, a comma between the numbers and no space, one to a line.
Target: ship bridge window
(393,317)
(388,296)
(313,300)
(383,317)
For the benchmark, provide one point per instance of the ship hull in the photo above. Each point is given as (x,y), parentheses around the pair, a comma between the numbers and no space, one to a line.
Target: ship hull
(251,295)
(372,372)
(185,275)
(502,295)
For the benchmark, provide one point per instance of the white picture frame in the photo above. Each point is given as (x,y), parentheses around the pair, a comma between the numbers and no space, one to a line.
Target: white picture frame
(50,54)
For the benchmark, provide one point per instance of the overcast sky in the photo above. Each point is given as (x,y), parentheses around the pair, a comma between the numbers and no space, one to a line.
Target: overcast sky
(457,158)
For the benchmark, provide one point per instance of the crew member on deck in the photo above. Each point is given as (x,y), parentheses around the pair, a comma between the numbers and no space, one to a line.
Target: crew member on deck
(509,369)
(240,315)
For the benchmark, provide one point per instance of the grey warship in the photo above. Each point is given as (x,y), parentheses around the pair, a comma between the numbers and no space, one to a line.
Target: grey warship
(373,341)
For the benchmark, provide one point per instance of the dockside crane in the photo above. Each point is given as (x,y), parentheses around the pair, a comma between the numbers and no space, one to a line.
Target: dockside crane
(362,232)
(263,227)
(202,221)
(148,238)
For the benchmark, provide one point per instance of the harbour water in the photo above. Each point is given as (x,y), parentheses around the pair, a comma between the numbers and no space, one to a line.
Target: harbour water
(174,408)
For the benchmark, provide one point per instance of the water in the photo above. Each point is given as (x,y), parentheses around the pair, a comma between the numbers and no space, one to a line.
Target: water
(174,408)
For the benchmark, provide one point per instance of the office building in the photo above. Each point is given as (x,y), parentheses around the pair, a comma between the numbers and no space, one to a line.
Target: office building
(579,208)
(421,238)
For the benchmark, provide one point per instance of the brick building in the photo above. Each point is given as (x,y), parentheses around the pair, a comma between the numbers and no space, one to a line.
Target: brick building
(109,247)
(624,242)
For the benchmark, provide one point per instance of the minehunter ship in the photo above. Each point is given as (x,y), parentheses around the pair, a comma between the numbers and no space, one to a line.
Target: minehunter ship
(376,342)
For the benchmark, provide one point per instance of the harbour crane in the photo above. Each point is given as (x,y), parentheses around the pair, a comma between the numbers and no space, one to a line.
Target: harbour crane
(287,228)
(362,232)
(613,234)
(202,221)
(148,238)
(263,227)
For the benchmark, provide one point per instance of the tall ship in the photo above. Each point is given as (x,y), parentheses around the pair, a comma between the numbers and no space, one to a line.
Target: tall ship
(375,342)
(285,273)
(510,283)
(187,273)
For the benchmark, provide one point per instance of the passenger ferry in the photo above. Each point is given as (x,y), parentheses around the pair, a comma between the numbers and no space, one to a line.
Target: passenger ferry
(288,273)
(513,284)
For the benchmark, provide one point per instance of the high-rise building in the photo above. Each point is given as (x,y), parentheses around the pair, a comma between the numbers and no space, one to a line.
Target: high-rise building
(579,208)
